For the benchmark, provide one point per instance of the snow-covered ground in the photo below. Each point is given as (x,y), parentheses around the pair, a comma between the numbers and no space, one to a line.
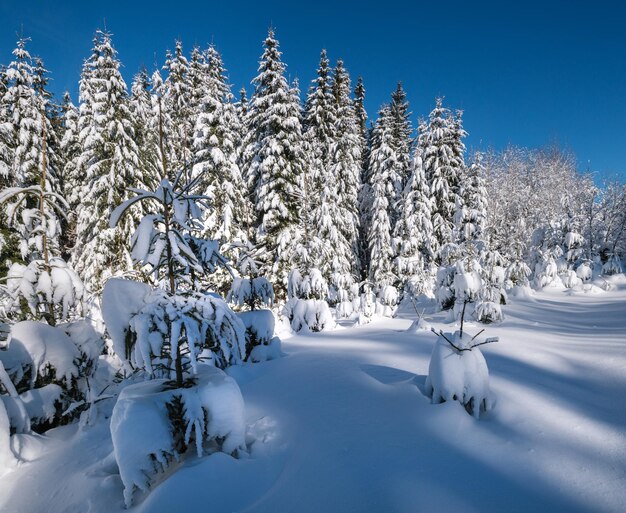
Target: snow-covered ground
(342,424)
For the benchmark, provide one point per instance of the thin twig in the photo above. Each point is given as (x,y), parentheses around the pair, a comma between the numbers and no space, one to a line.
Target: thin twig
(488,341)
(477,334)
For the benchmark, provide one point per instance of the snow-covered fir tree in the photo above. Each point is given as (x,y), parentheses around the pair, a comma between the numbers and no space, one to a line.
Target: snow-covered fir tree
(5,129)
(109,164)
(70,150)
(402,131)
(441,147)
(180,119)
(215,144)
(364,191)
(321,189)
(413,233)
(34,157)
(381,166)
(140,106)
(275,162)
(471,206)
(346,169)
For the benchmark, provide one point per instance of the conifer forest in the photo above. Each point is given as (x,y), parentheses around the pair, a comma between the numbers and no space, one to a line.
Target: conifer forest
(272,300)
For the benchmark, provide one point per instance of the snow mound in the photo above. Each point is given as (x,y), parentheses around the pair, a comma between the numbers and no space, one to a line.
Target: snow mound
(6,454)
(146,440)
(459,373)
(418,325)
(271,351)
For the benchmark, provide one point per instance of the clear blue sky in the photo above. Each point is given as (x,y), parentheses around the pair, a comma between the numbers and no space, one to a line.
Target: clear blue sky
(528,73)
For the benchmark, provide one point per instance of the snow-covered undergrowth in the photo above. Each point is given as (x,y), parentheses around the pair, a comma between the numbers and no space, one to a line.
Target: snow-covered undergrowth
(146,441)
(344,423)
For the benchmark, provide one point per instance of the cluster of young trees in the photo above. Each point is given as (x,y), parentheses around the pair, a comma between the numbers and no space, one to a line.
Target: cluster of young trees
(308,188)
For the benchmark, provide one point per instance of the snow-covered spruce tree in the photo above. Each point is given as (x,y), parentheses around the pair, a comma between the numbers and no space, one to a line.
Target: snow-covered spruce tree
(5,129)
(402,131)
(321,188)
(180,118)
(215,155)
(364,191)
(471,206)
(306,308)
(146,134)
(159,125)
(197,78)
(27,109)
(275,162)
(108,165)
(319,125)
(43,286)
(253,293)
(413,233)
(178,321)
(441,149)
(20,143)
(172,330)
(382,166)
(346,168)
(70,151)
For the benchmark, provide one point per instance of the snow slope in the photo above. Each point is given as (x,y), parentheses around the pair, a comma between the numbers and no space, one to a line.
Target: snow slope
(342,425)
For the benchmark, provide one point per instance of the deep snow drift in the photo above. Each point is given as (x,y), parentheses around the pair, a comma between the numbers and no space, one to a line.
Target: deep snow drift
(343,424)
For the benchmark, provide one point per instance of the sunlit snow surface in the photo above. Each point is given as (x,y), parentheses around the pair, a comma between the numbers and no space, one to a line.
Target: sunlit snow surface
(341,424)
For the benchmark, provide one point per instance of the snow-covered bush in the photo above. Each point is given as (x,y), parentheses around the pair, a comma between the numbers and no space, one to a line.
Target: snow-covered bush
(306,307)
(51,291)
(585,271)
(546,271)
(49,367)
(387,301)
(570,280)
(259,326)
(458,372)
(488,312)
(517,274)
(311,285)
(253,291)
(309,314)
(154,425)
(612,266)
(264,352)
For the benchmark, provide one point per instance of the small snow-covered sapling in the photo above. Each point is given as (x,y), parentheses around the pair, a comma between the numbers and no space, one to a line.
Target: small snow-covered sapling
(458,370)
